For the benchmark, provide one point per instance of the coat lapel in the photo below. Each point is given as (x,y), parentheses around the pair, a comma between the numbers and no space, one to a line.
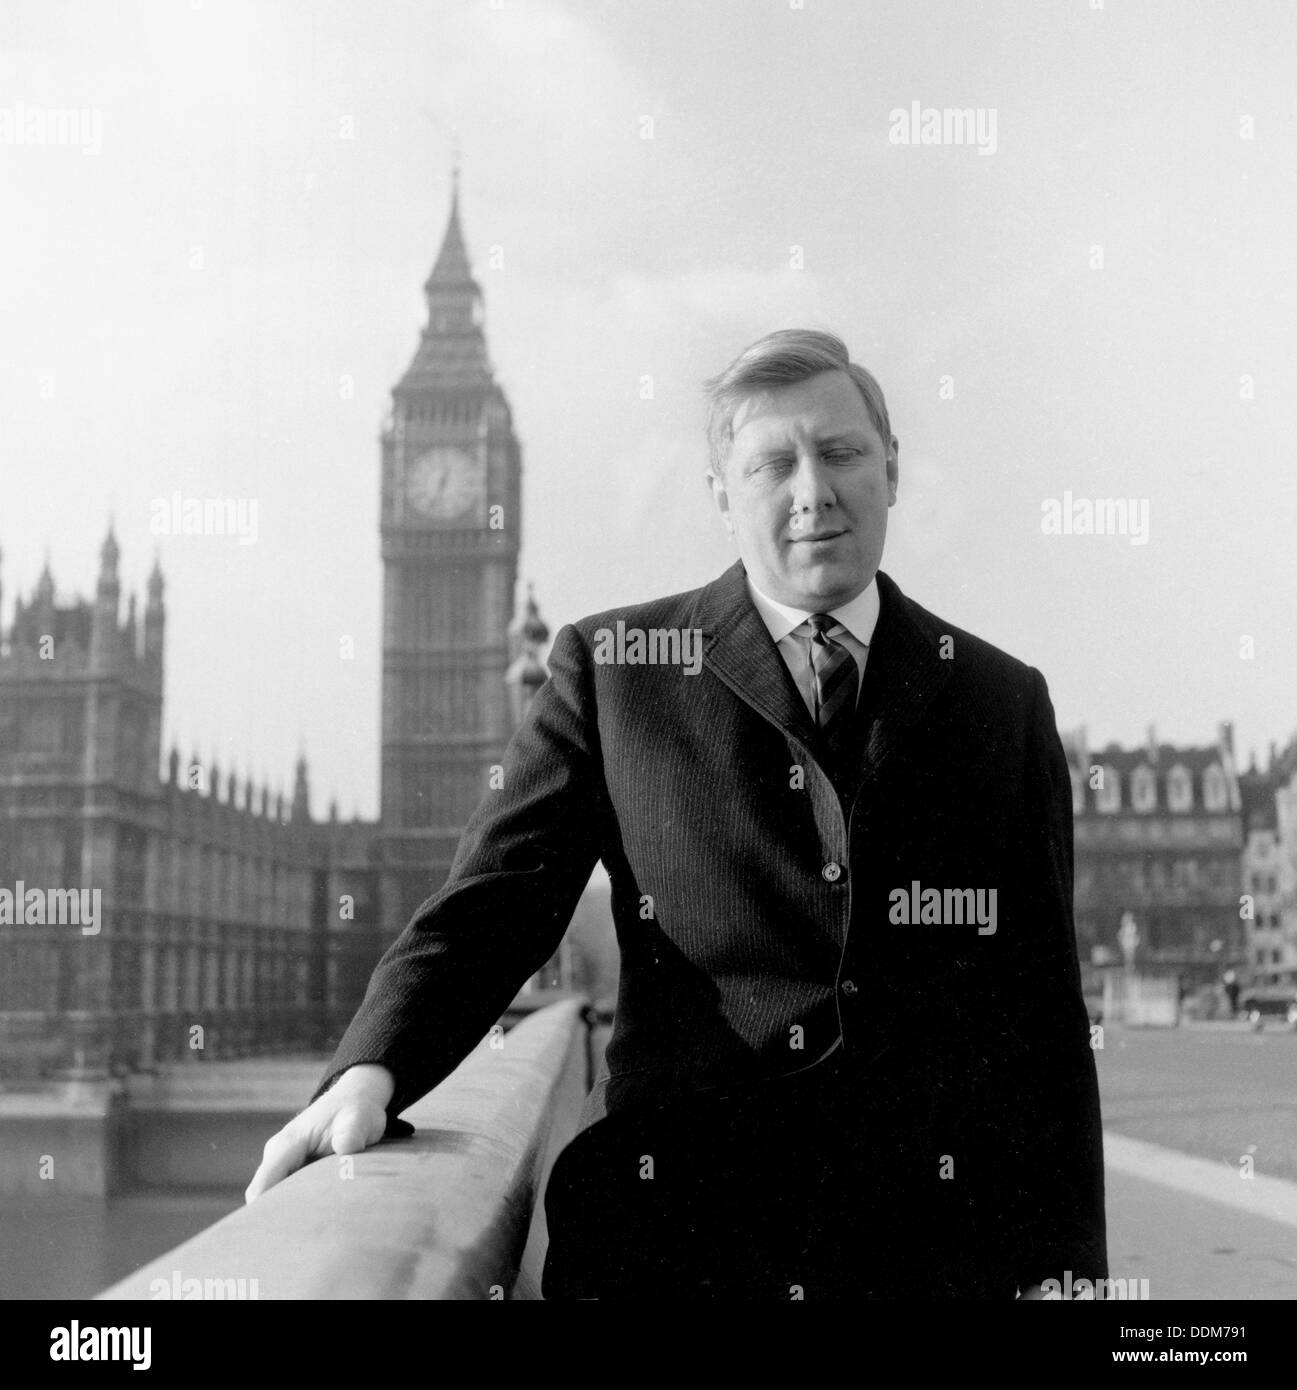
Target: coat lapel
(903,673)
(738,649)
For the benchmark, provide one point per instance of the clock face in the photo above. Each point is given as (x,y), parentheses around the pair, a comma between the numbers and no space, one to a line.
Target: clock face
(444,484)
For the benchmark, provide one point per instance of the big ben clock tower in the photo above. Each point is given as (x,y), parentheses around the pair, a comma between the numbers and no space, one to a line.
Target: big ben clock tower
(451,490)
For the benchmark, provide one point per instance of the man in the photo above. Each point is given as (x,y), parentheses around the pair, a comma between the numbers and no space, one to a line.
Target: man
(850,1055)
(1231,992)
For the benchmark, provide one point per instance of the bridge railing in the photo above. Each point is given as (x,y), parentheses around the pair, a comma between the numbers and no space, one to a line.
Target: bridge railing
(455,1212)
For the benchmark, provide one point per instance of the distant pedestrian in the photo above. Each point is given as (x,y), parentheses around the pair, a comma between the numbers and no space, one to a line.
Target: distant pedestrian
(1231,992)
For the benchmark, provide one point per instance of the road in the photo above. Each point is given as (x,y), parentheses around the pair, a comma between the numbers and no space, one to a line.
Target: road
(1221,1092)
(1188,1112)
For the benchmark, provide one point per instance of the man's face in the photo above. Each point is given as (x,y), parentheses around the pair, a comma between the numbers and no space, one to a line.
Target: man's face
(805,490)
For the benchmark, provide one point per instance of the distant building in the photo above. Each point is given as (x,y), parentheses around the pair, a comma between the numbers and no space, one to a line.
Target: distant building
(204,884)
(1286,818)
(232,922)
(1158,834)
(1270,861)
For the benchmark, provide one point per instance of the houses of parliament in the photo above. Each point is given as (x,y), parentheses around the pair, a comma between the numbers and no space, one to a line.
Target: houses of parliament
(230,916)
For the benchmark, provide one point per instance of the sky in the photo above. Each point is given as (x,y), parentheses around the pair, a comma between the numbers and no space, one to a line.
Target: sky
(211,284)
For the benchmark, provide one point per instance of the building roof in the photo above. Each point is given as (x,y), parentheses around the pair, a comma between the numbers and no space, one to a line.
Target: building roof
(1161,759)
(1256,792)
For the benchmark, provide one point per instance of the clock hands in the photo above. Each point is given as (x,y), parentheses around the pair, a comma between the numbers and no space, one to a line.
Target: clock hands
(444,483)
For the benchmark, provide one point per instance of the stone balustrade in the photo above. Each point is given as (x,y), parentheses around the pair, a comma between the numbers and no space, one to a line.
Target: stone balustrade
(454,1212)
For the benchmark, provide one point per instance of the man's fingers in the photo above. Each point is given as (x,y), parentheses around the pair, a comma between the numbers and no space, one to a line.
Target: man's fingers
(356,1127)
(284,1153)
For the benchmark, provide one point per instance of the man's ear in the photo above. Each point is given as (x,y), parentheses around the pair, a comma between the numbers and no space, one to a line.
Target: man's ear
(716,486)
(893,470)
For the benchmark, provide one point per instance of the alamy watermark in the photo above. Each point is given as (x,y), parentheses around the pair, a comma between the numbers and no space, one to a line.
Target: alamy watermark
(74,127)
(211,1290)
(658,646)
(917,906)
(21,906)
(1099,516)
(917,124)
(1087,1290)
(205,516)
(76,1343)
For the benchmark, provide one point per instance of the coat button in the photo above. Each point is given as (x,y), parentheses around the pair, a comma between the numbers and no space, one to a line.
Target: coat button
(849,987)
(832,872)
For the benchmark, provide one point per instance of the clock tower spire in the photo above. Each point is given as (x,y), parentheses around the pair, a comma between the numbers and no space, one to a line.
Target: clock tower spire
(453,344)
(451,491)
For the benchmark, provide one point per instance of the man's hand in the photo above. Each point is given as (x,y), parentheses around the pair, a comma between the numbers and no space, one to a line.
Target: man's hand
(350,1116)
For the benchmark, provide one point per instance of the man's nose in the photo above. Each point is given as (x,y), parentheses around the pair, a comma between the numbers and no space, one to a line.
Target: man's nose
(811,486)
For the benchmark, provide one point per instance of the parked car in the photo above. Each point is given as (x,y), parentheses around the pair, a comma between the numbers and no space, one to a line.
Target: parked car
(1270,996)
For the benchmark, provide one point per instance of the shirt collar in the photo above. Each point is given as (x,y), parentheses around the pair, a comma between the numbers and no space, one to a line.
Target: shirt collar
(859,616)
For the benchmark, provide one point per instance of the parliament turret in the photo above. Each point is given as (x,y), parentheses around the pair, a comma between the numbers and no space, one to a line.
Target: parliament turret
(527,673)
(155,618)
(104,636)
(301,808)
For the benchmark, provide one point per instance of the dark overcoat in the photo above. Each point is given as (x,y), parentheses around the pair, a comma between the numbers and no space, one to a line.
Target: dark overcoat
(805,1088)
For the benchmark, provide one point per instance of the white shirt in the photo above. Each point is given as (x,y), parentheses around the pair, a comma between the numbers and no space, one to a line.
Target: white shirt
(791,631)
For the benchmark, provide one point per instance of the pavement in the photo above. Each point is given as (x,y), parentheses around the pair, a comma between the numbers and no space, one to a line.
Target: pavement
(1190,1235)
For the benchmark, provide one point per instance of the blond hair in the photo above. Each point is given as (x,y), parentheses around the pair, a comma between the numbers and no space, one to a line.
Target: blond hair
(780,359)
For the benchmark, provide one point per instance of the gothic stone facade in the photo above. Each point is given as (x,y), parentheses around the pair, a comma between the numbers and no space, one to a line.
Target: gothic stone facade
(230,921)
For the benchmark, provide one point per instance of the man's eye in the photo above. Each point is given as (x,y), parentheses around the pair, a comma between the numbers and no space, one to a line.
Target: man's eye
(841,455)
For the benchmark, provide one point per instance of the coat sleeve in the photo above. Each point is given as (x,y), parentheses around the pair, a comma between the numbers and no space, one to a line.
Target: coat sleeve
(522,863)
(1060,1189)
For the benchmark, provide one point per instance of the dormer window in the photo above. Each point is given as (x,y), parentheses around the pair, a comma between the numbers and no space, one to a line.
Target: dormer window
(1179,789)
(1143,789)
(1107,797)
(1215,792)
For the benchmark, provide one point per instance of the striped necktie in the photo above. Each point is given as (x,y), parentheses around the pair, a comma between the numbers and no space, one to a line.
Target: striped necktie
(836,678)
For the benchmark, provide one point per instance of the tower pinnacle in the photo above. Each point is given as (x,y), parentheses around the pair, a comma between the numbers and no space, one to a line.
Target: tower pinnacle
(452,349)
(451,270)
